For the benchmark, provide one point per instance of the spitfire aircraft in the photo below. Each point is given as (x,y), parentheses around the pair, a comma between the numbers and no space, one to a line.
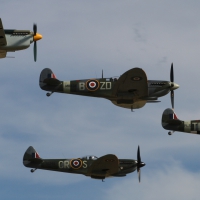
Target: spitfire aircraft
(14,40)
(97,168)
(171,122)
(131,90)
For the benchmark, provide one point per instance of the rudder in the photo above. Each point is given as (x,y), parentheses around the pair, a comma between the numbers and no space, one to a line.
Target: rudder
(31,156)
(45,75)
(168,114)
(169,118)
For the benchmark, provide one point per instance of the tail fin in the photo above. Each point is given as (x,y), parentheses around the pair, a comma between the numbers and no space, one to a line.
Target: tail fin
(31,158)
(48,80)
(169,114)
(170,119)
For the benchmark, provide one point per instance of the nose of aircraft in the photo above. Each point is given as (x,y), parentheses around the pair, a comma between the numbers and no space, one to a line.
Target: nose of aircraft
(175,86)
(37,37)
(142,164)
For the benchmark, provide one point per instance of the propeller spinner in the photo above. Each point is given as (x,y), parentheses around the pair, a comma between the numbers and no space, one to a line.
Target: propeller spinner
(36,36)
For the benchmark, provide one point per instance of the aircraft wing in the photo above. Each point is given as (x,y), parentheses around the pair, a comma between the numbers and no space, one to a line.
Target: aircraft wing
(3,53)
(133,82)
(108,164)
(2,35)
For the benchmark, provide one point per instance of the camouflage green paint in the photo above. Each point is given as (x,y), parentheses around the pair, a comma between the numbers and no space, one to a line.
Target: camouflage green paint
(131,90)
(98,168)
(170,121)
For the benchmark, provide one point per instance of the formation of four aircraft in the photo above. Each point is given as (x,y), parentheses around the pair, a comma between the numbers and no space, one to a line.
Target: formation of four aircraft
(131,90)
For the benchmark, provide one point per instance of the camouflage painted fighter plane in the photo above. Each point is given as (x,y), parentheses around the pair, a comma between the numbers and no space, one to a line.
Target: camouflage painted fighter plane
(97,168)
(171,122)
(131,90)
(14,40)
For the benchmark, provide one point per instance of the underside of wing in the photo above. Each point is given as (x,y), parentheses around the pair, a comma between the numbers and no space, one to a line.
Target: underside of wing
(3,53)
(2,35)
(133,105)
(131,88)
(51,84)
(104,166)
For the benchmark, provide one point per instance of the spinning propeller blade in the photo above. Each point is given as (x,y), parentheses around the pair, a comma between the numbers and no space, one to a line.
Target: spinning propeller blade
(35,45)
(36,36)
(139,163)
(35,51)
(172,98)
(172,73)
(34,29)
(172,85)
(138,155)
(139,174)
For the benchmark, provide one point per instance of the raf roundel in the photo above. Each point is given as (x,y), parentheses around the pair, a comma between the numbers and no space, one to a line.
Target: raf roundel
(76,163)
(136,78)
(92,85)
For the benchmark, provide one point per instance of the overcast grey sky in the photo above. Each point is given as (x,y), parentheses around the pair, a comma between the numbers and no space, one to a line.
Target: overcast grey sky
(80,38)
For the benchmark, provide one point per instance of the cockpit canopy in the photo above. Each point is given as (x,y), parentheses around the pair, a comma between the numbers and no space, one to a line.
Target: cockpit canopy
(90,157)
(114,78)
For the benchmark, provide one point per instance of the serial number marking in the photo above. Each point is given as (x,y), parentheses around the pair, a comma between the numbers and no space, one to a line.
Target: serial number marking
(103,85)
(66,164)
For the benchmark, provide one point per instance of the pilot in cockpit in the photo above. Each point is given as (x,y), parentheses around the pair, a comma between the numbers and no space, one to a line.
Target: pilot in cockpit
(92,157)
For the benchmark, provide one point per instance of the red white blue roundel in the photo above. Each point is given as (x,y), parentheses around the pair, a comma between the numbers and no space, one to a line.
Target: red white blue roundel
(76,163)
(136,78)
(92,85)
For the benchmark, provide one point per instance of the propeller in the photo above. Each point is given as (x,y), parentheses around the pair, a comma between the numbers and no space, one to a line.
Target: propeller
(35,44)
(172,91)
(139,163)
(34,29)
(172,73)
(172,85)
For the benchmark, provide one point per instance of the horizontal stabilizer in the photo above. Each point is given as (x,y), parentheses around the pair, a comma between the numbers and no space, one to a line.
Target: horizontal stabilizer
(174,122)
(51,81)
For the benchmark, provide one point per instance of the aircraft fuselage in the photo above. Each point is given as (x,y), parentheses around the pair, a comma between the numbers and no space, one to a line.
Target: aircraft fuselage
(192,126)
(17,40)
(65,165)
(131,90)
(171,122)
(105,87)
